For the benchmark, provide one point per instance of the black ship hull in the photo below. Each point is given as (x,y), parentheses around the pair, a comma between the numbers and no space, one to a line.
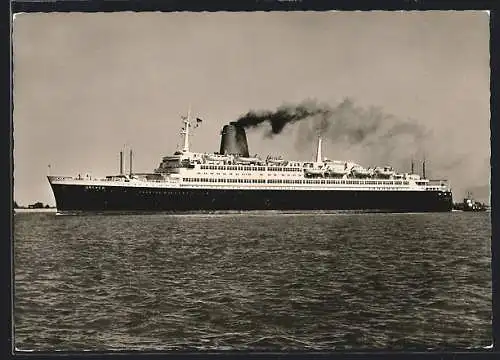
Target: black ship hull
(114,198)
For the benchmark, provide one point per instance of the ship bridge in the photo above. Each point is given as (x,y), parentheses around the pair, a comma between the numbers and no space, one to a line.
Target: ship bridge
(180,159)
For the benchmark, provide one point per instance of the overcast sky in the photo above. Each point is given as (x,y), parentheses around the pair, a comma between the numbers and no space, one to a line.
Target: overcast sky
(86,84)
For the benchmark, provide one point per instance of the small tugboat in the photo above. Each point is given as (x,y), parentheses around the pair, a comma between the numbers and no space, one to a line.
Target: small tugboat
(469,204)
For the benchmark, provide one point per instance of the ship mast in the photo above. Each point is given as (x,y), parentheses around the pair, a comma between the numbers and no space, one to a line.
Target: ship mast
(423,168)
(121,162)
(318,152)
(185,130)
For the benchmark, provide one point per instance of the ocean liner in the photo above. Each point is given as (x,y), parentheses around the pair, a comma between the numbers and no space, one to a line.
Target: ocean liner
(231,179)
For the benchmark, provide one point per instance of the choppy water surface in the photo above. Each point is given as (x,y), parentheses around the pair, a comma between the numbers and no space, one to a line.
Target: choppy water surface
(255,281)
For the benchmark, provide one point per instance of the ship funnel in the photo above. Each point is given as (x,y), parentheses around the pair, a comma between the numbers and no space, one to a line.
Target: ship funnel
(233,140)
(121,162)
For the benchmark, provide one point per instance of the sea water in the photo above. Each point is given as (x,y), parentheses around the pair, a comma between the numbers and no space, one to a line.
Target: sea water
(264,281)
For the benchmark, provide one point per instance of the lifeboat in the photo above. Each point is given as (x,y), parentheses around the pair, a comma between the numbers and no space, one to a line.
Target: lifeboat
(315,171)
(413,177)
(216,157)
(385,172)
(248,160)
(335,172)
(361,172)
(277,162)
(337,169)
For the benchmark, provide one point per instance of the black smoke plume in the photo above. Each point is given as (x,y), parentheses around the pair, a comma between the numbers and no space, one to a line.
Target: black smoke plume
(283,116)
(345,122)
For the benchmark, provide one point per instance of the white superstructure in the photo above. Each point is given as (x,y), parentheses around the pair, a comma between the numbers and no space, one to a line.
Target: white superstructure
(187,169)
